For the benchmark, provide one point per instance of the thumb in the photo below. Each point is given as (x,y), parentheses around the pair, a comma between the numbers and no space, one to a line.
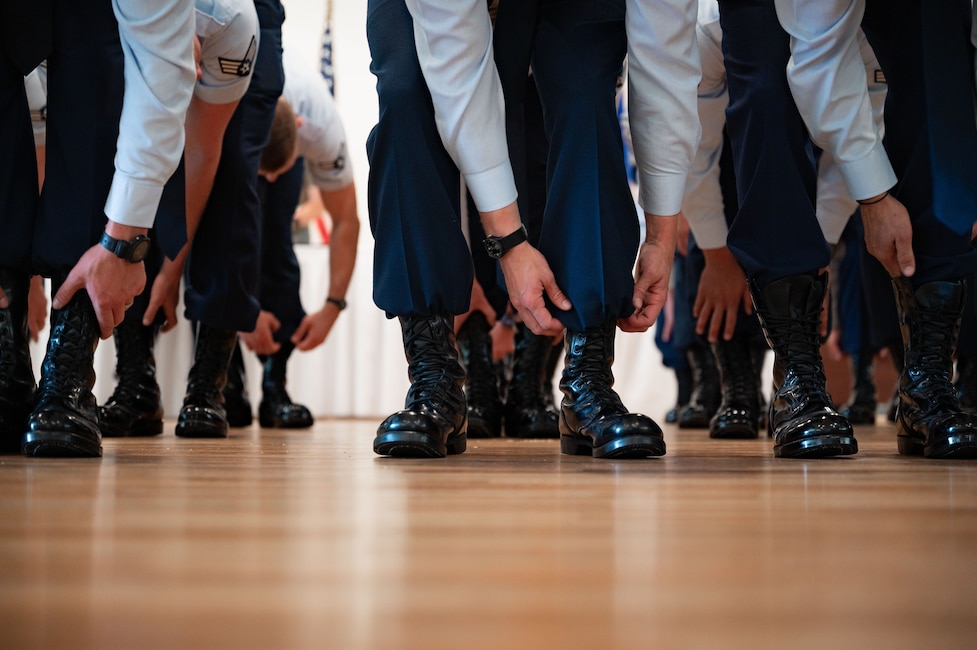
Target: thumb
(556,295)
(4,301)
(71,285)
(273,322)
(904,256)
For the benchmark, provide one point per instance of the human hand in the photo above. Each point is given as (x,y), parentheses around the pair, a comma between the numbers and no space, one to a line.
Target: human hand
(112,284)
(503,340)
(165,295)
(528,278)
(314,328)
(261,339)
(889,235)
(722,289)
(36,307)
(653,270)
(668,322)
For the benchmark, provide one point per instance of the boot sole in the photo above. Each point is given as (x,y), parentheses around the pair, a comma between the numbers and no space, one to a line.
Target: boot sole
(819,447)
(198,430)
(953,448)
(410,444)
(59,444)
(620,448)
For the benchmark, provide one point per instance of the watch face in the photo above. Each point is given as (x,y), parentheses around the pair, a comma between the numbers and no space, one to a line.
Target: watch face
(493,248)
(139,249)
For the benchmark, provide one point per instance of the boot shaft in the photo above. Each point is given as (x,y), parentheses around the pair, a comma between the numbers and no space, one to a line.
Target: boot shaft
(737,377)
(274,372)
(69,361)
(134,346)
(929,319)
(587,375)
(433,367)
(531,376)
(789,311)
(212,355)
(15,359)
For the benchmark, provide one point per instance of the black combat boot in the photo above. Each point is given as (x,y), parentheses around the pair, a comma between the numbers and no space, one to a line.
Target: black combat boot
(966,382)
(277,410)
(64,421)
(237,405)
(898,355)
(136,406)
(16,371)
(435,417)
(684,382)
(801,417)
(203,415)
(592,418)
(758,354)
(930,420)
(706,393)
(529,407)
(861,406)
(481,381)
(738,413)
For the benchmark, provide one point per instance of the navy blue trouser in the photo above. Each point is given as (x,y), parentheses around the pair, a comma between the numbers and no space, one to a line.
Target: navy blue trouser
(280,273)
(895,31)
(589,233)
(222,274)
(775,233)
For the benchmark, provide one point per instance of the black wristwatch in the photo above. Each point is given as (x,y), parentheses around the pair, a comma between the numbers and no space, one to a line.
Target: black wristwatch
(339,302)
(132,251)
(496,247)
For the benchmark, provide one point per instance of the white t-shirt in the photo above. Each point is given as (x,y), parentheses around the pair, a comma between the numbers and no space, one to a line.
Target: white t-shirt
(321,137)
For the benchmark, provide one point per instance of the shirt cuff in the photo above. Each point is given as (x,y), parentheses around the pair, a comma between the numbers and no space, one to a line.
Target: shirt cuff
(868,176)
(493,188)
(661,195)
(131,203)
(709,233)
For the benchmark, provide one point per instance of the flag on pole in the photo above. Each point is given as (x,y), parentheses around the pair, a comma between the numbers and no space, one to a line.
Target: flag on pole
(326,53)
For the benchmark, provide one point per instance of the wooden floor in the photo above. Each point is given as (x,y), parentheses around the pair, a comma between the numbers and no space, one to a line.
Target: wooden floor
(275,539)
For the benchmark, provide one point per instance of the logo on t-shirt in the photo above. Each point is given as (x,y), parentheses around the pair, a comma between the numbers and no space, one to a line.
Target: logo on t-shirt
(240,67)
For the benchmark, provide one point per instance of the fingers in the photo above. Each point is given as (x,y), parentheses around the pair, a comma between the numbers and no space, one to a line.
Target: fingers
(905,258)
(557,296)
(4,301)
(72,284)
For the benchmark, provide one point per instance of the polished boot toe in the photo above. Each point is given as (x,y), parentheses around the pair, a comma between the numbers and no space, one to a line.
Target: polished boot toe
(434,421)
(64,422)
(284,416)
(815,435)
(203,414)
(801,418)
(593,420)
(419,434)
(953,435)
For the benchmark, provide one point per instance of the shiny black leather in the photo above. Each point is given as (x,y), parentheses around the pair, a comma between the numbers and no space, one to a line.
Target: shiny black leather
(237,405)
(64,422)
(966,382)
(277,410)
(203,414)
(481,380)
(593,420)
(529,408)
(860,408)
(16,371)
(801,417)
(706,392)
(434,421)
(930,420)
(136,406)
(738,412)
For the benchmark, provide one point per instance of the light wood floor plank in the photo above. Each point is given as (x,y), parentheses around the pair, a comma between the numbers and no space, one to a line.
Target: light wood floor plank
(284,539)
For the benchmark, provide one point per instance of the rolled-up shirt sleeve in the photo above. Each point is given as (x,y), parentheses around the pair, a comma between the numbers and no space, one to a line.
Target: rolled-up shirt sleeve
(454,47)
(663,75)
(157,41)
(827,78)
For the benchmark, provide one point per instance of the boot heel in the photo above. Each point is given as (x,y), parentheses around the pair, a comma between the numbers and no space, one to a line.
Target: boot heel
(573,446)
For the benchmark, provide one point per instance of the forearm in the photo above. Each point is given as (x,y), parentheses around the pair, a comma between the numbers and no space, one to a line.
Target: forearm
(344,239)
